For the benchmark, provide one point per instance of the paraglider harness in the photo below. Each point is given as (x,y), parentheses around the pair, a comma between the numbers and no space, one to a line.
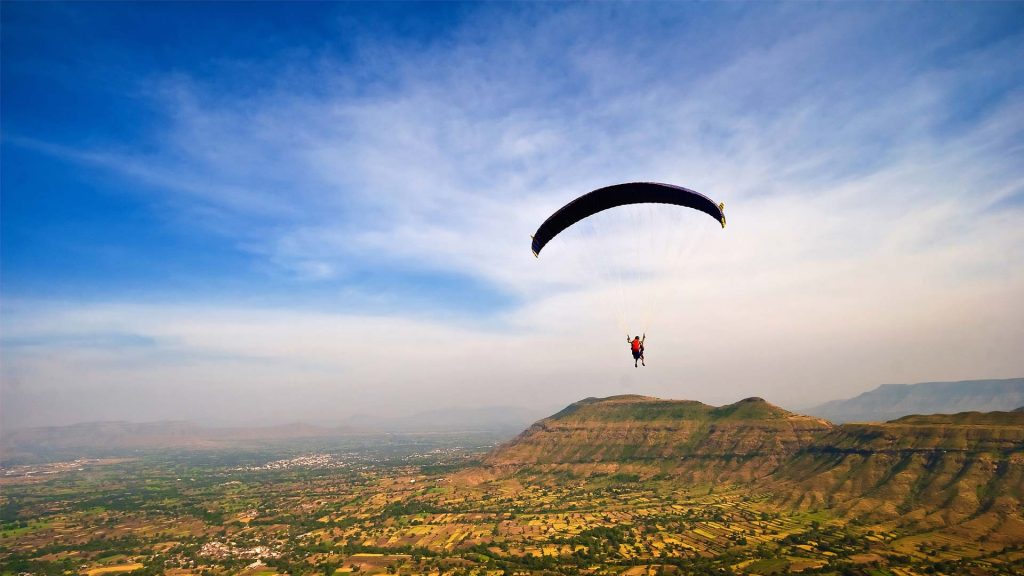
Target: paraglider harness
(637,346)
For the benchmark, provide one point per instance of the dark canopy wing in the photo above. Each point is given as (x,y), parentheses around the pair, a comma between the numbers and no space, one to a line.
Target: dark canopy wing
(620,195)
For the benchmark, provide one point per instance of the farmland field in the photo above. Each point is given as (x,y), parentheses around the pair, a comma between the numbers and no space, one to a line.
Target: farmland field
(428,507)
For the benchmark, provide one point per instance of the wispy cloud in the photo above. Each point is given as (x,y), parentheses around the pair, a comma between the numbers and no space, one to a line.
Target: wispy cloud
(871,238)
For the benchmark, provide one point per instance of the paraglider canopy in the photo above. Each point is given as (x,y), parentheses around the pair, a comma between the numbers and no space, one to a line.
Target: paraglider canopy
(637,239)
(621,195)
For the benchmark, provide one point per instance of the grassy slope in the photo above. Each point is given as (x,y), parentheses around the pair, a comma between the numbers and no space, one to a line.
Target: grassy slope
(928,470)
(921,470)
(744,440)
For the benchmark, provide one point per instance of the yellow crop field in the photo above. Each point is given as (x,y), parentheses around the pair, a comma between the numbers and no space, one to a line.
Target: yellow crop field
(330,521)
(114,569)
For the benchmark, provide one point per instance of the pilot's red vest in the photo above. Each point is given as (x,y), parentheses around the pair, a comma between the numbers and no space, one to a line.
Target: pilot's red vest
(636,345)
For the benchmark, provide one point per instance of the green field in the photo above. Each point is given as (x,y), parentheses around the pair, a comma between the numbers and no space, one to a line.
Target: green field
(394,514)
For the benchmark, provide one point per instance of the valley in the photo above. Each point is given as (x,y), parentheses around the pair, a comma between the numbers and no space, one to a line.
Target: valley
(624,485)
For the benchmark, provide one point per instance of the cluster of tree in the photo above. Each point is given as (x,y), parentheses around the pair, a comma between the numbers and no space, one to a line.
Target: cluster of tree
(410,508)
(21,564)
(827,539)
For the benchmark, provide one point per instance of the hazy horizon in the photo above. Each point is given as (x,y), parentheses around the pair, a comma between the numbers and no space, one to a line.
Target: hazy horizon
(487,417)
(271,213)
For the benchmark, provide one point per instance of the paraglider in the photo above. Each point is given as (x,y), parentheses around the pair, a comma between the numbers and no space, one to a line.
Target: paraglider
(636,345)
(622,195)
(614,197)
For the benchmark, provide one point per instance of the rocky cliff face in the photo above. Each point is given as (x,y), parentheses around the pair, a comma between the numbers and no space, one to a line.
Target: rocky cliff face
(937,470)
(925,470)
(741,441)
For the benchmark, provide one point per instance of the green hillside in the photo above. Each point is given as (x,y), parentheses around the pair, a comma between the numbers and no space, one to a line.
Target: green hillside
(691,440)
(934,470)
(634,408)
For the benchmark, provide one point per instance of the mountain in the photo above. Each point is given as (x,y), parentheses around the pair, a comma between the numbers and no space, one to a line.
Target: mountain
(1013,418)
(934,470)
(688,439)
(961,471)
(891,401)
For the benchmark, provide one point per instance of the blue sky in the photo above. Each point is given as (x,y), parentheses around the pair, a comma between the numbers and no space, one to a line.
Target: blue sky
(75,225)
(227,199)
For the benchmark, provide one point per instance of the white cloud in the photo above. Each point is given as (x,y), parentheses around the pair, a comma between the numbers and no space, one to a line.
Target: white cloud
(863,244)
